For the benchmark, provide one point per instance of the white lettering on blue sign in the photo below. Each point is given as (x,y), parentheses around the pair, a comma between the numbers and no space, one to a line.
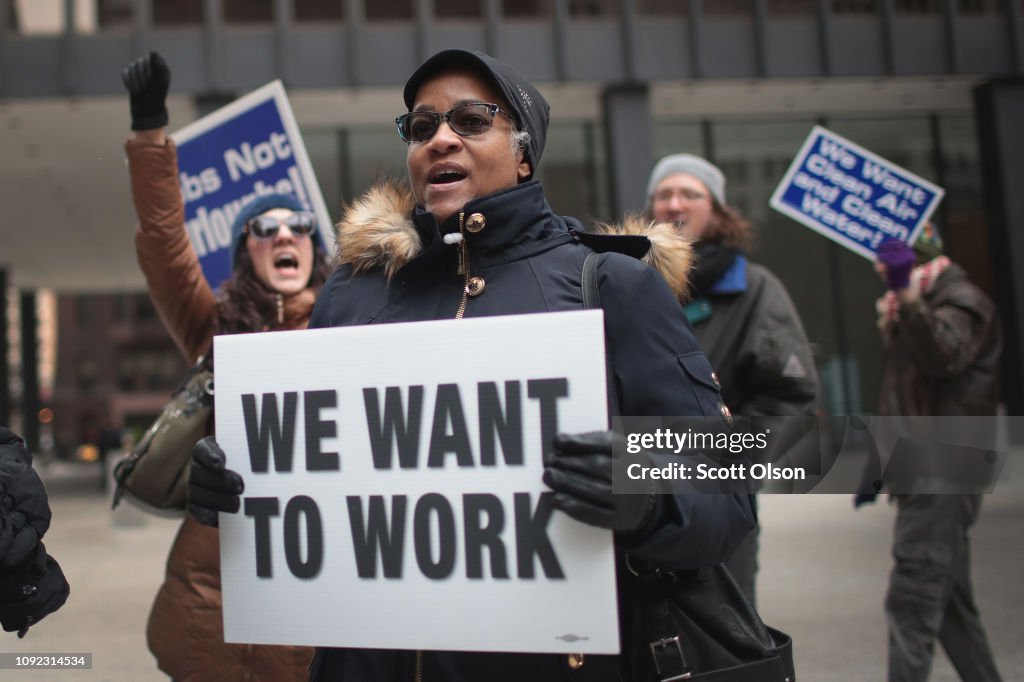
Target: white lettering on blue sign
(852,196)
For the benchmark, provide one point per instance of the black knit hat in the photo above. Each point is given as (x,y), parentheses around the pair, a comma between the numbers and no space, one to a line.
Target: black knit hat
(528,106)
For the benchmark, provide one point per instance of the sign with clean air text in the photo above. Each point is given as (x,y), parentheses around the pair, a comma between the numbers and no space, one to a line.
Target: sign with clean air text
(248,148)
(852,196)
(393,495)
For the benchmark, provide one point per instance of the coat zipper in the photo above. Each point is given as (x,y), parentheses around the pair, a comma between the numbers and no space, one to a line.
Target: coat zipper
(280,309)
(463,270)
(463,267)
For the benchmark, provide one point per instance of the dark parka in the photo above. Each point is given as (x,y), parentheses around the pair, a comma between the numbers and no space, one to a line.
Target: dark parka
(943,355)
(754,339)
(395,267)
(32,584)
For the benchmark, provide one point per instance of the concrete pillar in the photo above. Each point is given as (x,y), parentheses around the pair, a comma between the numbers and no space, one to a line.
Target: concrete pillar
(999,109)
(29,371)
(5,379)
(629,140)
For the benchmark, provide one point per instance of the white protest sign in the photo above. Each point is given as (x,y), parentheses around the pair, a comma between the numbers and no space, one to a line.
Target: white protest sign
(853,196)
(397,499)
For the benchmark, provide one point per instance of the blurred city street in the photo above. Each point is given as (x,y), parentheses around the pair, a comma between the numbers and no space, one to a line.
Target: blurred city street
(823,579)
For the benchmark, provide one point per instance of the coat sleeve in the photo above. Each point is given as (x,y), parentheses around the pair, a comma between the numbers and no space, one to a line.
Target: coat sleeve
(661,371)
(179,290)
(947,338)
(775,369)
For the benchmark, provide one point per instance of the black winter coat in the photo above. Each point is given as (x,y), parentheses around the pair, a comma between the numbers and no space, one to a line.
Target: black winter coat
(397,269)
(32,584)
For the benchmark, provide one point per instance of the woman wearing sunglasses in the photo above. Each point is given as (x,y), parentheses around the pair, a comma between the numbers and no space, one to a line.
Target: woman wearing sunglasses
(473,236)
(278,267)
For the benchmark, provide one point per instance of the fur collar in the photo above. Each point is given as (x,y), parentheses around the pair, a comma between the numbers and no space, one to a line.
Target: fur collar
(671,254)
(377,232)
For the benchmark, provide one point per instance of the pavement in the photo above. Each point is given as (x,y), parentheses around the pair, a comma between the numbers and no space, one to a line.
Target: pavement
(823,580)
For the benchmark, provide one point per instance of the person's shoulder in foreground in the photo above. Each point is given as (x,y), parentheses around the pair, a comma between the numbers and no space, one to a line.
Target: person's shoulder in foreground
(32,585)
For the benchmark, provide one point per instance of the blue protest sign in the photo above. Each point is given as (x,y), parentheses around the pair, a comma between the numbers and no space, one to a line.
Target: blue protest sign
(852,196)
(246,149)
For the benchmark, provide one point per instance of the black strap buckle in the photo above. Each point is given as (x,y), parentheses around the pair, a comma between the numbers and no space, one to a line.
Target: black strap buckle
(669,661)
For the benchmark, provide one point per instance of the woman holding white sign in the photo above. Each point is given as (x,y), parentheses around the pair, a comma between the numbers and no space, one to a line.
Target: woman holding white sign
(474,236)
(277,268)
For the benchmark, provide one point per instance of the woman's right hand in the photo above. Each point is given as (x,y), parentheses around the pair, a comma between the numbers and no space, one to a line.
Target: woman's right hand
(147,80)
(212,487)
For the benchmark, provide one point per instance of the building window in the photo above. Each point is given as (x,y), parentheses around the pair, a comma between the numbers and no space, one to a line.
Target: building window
(144,310)
(916,6)
(318,10)
(111,13)
(177,12)
(855,6)
(83,311)
(792,7)
(458,9)
(980,6)
(248,11)
(663,8)
(593,8)
(961,215)
(729,8)
(145,370)
(384,10)
(86,373)
(372,153)
(573,171)
(526,9)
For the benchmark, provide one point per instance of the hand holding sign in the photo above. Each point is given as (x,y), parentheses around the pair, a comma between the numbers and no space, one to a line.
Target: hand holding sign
(898,259)
(147,80)
(212,488)
(579,470)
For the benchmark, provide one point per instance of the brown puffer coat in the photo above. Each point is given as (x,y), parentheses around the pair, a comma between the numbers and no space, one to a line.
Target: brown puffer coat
(185,630)
(943,355)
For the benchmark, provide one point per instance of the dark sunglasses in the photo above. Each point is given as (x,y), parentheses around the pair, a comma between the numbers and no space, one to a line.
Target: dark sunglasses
(266,227)
(467,119)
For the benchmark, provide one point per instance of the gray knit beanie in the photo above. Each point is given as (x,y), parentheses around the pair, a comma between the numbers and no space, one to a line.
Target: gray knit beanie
(703,170)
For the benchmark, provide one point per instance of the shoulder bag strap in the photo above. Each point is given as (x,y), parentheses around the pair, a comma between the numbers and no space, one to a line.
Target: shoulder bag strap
(592,300)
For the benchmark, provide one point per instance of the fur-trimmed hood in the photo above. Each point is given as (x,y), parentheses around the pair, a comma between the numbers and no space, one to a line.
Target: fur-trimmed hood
(377,232)
(671,253)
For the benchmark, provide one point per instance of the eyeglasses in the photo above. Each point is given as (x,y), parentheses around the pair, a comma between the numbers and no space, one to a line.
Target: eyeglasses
(685,194)
(467,119)
(266,227)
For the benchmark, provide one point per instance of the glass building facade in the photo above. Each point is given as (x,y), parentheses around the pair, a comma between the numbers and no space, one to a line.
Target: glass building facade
(740,82)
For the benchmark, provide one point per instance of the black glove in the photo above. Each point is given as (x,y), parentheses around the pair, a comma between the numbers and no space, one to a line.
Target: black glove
(866,493)
(31,592)
(211,487)
(579,470)
(147,79)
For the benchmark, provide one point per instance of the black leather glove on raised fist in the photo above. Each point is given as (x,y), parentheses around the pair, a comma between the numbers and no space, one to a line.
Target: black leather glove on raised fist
(211,487)
(147,79)
(579,470)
